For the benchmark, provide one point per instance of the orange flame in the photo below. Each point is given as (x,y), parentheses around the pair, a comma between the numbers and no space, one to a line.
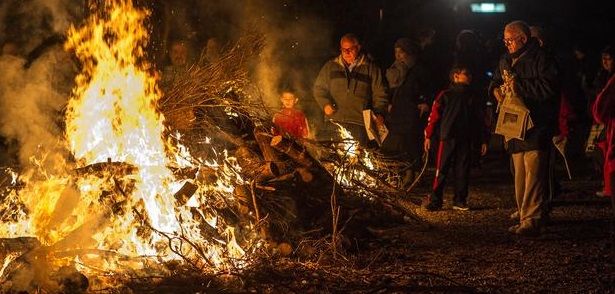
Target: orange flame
(112,116)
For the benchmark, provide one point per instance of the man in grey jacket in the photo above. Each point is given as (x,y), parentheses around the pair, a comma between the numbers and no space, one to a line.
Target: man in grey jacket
(349,84)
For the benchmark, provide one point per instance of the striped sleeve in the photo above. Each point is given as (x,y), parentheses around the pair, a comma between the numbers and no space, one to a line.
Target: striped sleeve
(435,115)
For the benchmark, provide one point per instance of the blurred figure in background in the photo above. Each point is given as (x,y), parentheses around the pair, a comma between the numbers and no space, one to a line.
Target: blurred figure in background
(604,112)
(178,57)
(407,102)
(213,50)
(598,137)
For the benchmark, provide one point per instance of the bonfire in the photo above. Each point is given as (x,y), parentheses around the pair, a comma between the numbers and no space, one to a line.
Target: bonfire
(133,195)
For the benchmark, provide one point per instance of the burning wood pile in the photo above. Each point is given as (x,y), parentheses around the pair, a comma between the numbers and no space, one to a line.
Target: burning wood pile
(189,178)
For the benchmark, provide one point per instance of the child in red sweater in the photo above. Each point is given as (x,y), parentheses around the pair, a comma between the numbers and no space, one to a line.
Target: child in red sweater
(289,119)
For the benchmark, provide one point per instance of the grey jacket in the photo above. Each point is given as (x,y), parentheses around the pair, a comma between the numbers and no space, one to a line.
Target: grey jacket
(351,91)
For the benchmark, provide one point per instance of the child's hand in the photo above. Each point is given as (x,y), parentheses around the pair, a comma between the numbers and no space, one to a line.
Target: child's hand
(423,108)
(426,145)
(483,149)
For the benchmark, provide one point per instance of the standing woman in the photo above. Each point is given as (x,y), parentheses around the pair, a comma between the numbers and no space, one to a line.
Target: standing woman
(407,103)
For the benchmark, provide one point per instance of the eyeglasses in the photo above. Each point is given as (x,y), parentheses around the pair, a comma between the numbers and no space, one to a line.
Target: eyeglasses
(349,50)
(508,41)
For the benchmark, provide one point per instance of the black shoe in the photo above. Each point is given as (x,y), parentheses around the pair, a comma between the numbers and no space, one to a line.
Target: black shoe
(461,207)
(528,229)
(433,206)
(430,204)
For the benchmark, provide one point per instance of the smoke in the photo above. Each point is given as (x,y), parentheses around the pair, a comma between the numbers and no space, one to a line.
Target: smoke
(32,99)
(297,42)
(33,92)
(28,23)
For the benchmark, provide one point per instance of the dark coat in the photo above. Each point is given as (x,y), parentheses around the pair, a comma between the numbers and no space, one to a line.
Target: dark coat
(537,84)
(458,113)
(404,113)
(403,119)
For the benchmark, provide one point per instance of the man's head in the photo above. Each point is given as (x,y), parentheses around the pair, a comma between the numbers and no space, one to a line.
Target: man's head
(350,48)
(460,74)
(9,48)
(288,98)
(178,53)
(212,49)
(406,51)
(516,36)
(608,59)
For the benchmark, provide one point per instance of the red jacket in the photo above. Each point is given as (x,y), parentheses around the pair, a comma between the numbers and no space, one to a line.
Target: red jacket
(291,121)
(604,112)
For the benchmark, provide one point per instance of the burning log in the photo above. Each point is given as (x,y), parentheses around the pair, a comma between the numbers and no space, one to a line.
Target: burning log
(264,143)
(253,166)
(295,151)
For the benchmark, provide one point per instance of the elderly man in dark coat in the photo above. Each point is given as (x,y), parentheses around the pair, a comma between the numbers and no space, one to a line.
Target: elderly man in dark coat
(535,81)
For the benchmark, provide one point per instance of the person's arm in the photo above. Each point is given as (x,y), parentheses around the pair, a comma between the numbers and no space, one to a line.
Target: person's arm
(496,81)
(321,89)
(542,87)
(422,90)
(434,119)
(604,107)
(395,74)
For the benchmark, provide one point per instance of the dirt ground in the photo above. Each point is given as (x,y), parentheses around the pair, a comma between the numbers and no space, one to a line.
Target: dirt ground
(466,252)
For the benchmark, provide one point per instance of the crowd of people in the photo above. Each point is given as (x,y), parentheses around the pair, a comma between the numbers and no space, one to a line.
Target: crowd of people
(456,124)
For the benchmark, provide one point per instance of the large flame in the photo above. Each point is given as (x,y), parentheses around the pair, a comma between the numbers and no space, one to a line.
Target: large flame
(112,121)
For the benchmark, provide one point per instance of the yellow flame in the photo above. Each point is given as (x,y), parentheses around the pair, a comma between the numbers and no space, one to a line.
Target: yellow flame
(112,117)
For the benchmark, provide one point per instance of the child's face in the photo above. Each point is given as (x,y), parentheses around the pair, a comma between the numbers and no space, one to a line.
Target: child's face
(288,100)
(463,77)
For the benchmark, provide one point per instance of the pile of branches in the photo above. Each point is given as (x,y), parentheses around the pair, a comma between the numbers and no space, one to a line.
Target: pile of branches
(292,190)
(293,181)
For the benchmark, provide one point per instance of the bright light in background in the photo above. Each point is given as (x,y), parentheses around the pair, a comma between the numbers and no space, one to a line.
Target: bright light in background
(488,7)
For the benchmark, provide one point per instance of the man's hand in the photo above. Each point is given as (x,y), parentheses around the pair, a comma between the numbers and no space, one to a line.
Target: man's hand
(498,95)
(329,109)
(558,139)
(426,145)
(483,149)
(423,108)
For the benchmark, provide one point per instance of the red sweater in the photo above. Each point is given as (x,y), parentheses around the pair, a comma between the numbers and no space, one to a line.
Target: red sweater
(291,121)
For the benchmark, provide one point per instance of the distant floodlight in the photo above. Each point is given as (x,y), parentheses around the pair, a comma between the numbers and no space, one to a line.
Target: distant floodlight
(488,7)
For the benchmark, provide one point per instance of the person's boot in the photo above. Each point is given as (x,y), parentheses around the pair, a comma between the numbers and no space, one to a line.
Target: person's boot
(431,204)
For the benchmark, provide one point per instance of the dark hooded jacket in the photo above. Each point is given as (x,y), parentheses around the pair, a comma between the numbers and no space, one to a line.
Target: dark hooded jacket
(458,113)
(537,84)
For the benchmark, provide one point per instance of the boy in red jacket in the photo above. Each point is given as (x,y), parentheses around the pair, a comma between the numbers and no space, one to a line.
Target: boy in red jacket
(289,119)
(457,119)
